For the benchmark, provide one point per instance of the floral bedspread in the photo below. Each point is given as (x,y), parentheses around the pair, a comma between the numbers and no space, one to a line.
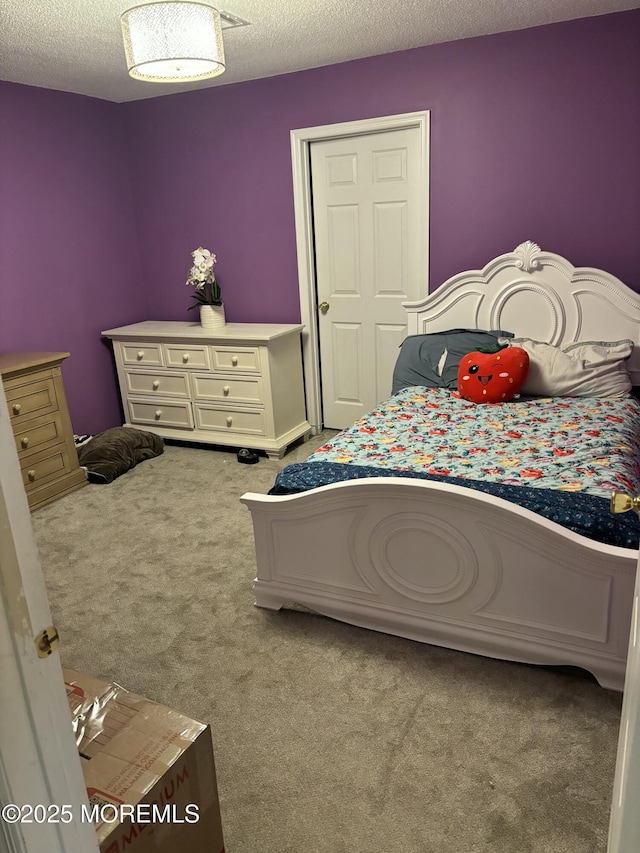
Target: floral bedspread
(560,458)
(576,444)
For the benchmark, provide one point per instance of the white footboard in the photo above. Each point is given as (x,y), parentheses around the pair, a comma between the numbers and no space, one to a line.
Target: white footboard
(449,566)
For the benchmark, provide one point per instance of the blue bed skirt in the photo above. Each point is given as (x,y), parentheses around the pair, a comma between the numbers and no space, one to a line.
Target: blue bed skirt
(588,515)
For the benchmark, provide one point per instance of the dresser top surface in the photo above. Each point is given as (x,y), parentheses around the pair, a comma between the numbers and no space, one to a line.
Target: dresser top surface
(167,330)
(13,362)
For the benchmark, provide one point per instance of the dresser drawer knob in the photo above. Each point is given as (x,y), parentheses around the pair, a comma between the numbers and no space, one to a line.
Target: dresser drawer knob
(156,384)
(31,475)
(185,356)
(24,442)
(17,408)
(229,421)
(158,414)
(140,354)
(234,360)
(226,389)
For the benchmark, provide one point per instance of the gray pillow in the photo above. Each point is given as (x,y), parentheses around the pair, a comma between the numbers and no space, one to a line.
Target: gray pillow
(422,360)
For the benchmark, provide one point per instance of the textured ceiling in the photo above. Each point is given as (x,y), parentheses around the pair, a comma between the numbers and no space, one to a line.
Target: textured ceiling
(76,45)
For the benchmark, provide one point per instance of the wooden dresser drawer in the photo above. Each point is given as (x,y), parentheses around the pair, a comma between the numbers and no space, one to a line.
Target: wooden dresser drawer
(46,465)
(31,399)
(245,421)
(41,425)
(159,384)
(38,433)
(142,353)
(192,356)
(232,389)
(232,359)
(161,413)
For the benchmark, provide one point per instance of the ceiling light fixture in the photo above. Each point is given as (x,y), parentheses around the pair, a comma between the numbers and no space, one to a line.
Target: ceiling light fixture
(173,42)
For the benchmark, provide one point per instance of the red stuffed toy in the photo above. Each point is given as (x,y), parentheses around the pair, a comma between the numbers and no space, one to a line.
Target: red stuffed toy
(492,377)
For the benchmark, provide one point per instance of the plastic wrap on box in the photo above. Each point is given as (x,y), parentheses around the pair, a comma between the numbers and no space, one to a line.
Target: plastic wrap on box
(136,753)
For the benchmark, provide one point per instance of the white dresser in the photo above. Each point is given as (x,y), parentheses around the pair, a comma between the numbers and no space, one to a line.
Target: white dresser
(239,386)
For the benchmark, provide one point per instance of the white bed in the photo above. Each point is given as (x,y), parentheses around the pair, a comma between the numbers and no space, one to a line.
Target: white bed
(451,566)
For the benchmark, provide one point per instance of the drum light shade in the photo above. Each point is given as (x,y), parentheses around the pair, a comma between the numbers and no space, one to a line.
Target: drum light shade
(176,41)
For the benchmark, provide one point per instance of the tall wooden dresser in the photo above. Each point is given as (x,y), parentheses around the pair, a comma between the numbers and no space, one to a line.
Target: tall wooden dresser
(41,425)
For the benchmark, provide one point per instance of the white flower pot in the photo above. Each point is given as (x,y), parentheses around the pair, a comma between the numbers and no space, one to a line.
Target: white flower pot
(212,316)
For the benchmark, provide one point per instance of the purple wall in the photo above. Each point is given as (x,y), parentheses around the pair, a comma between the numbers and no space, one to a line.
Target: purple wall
(69,258)
(534,135)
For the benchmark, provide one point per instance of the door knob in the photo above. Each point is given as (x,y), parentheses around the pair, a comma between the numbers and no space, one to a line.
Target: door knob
(324,307)
(621,502)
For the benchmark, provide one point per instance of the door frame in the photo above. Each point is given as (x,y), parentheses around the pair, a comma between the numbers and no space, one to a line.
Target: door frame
(39,761)
(301,140)
(624,822)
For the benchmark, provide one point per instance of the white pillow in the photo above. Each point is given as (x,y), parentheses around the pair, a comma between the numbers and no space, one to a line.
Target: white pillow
(582,369)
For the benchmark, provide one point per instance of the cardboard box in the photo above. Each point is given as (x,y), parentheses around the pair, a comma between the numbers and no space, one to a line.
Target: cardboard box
(149,771)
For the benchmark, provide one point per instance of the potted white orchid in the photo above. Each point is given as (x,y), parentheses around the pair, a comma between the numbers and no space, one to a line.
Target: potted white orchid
(207,290)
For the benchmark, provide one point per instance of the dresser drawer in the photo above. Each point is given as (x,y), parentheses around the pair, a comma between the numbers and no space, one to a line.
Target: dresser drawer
(240,359)
(160,384)
(38,433)
(30,400)
(232,389)
(161,413)
(49,464)
(142,353)
(187,356)
(246,421)
(41,425)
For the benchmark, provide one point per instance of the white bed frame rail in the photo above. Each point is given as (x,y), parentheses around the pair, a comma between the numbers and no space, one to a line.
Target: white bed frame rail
(446,565)
(452,566)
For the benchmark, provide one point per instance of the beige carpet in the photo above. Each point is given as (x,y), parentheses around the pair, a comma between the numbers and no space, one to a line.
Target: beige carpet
(328,738)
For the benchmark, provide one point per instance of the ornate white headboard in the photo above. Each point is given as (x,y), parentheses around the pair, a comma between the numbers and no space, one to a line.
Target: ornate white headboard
(534,294)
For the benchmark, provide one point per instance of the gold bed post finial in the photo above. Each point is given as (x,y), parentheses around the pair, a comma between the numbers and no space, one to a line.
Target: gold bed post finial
(621,502)
(526,253)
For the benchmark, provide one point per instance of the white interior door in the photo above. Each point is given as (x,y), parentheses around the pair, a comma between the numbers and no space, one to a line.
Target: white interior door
(39,762)
(624,829)
(368,220)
